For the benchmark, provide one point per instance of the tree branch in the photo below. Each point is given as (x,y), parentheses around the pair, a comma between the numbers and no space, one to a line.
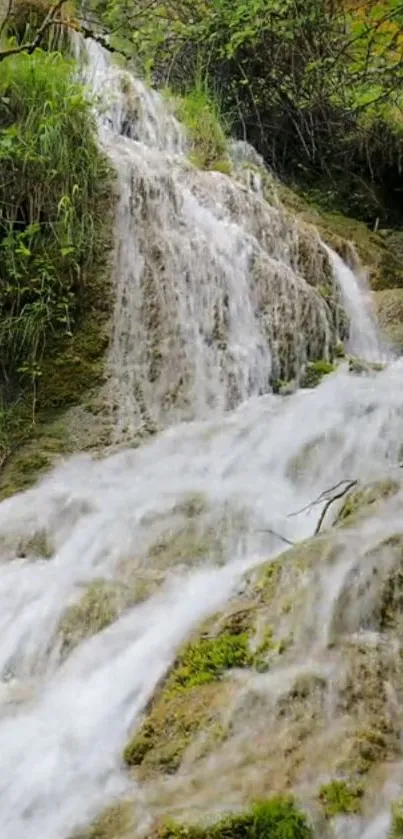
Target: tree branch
(338,495)
(31,46)
(278,535)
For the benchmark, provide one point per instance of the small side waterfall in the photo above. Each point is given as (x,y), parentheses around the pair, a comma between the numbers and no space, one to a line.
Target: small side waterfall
(217,294)
(364,339)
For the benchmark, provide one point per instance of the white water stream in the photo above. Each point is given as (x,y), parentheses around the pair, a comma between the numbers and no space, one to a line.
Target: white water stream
(64,723)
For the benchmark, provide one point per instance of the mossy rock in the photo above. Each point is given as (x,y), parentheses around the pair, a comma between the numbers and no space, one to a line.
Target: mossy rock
(74,370)
(360,367)
(396,827)
(338,797)
(275,818)
(314,373)
(379,252)
(97,609)
(207,659)
(389,308)
(114,823)
(172,726)
(358,501)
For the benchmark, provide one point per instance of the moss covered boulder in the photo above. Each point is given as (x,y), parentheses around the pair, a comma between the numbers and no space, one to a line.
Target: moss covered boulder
(389,307)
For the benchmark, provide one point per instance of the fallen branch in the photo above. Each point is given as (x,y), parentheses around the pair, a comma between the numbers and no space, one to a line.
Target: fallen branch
(324,496)
(338,495)
(278,535)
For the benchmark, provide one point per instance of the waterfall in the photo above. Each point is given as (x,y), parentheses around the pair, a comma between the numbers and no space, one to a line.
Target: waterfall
(217,294)
(208,275)
(364,339)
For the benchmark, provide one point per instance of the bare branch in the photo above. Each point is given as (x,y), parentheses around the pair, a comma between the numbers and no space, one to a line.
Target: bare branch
(278,535)
(31,46)
(330,501)
(324,496)
(101,39)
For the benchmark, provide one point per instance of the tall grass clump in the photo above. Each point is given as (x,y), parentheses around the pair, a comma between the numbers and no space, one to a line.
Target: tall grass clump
(200,113)
(53,184)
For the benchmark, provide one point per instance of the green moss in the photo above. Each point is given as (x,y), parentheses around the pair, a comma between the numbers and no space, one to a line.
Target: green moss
(274,818)
(391,600)
(396,828)
(37,545)
(189,702)
(206,659)
(359,367)
(341,797)
(200,115)
(368,748)
(188,542)
(113,823)
(359,499)
(268,579)
(97,609)
(314,373)
(172,724)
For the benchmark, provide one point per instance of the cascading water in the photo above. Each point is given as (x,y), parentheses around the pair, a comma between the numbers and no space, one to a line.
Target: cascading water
(209,291)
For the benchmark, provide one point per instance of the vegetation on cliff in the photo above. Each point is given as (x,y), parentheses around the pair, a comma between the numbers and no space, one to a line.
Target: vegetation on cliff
(54,188)
(316,87)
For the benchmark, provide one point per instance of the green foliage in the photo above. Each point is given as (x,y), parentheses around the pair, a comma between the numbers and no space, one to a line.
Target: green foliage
(315,86)
(200,114)
(52,183)
(340,797)
(206,659)
(275,818)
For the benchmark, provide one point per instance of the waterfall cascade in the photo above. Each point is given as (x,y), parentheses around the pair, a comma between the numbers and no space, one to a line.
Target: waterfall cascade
(217,294)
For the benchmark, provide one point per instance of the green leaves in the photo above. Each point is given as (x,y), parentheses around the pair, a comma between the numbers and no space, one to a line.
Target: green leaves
(51,175)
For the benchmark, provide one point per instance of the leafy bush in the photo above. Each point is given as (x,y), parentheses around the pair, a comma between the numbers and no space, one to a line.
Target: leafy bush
(52,182)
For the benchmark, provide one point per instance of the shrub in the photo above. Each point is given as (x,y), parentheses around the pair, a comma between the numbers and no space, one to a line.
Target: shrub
(52,183)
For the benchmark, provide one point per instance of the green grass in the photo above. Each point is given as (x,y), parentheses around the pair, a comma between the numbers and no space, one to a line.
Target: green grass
(201,116)
(53,183)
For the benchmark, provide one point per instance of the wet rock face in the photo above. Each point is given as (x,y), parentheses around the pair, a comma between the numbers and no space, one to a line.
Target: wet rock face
(305,693)
(220,293)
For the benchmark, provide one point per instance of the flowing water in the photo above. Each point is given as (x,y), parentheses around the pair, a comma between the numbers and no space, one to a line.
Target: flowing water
(192,355)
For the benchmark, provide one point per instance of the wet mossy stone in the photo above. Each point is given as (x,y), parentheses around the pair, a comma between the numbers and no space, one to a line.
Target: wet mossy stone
(339,797)
(359,499)
(314,373)
(276,818)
